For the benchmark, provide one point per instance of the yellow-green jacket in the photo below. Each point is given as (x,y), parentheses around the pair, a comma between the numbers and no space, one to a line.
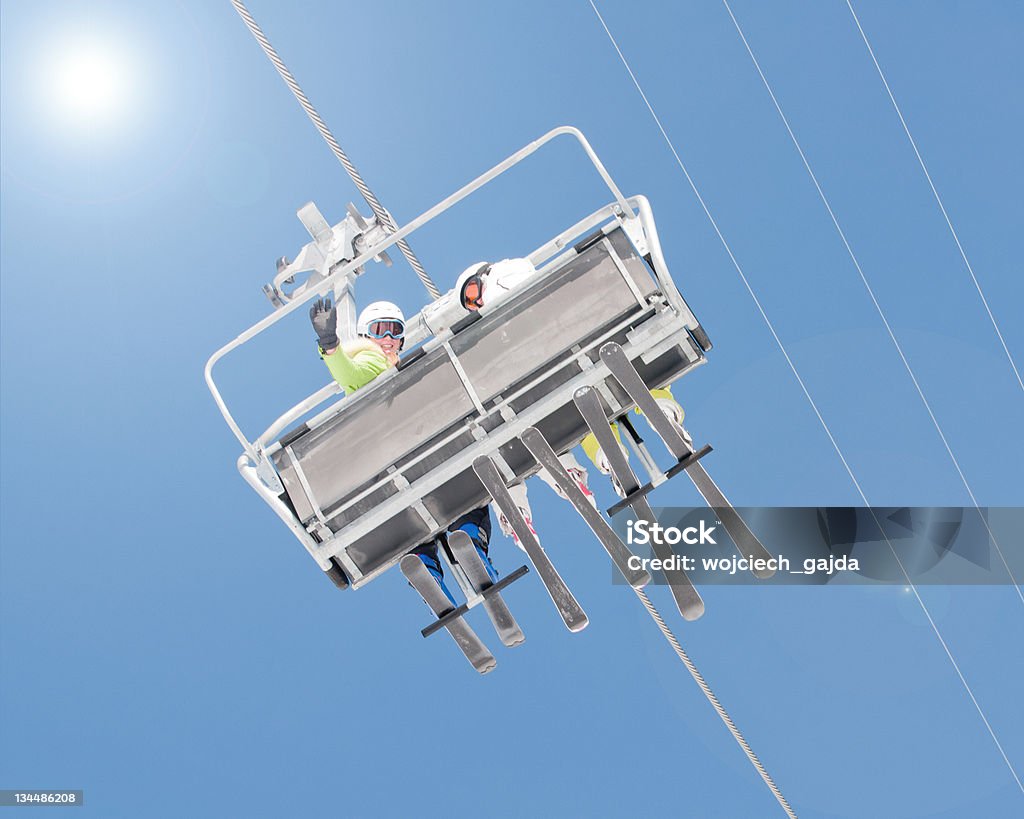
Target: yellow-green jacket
(355,364)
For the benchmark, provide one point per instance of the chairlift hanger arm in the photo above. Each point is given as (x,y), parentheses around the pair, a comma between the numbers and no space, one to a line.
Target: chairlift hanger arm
(379,211)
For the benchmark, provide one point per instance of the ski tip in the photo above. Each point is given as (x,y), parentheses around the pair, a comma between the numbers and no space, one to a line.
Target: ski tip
(578,625)
(513,640)
(530,433)
(639,579)
(692,611)
(408,563)
(763,574)
(487,666)
(459,536)
(481,463)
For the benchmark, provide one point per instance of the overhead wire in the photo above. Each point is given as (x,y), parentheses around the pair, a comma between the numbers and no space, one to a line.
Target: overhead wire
(878,306)
(803,387)
(938,199)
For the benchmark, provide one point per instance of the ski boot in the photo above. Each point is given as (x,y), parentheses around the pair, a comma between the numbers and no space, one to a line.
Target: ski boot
(579,475)
(605,468)
(671,409)
(508,531)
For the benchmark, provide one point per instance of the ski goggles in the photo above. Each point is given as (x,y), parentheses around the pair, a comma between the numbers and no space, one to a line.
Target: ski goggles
(472,294)
(386,327)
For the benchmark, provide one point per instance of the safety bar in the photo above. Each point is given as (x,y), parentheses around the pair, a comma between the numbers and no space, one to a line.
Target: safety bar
(274,502)
(394,238)
(298,411)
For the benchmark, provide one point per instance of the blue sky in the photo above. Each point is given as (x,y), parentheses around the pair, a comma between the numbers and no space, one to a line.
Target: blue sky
(166,645)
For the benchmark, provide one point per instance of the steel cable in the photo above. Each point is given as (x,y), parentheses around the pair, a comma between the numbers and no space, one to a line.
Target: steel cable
(383,217)
(699,679)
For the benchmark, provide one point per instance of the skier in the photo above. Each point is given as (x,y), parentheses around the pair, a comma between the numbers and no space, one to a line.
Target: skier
(354,364)
(483,283)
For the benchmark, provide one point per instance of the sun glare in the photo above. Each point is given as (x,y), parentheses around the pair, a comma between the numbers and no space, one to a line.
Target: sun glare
(91,83)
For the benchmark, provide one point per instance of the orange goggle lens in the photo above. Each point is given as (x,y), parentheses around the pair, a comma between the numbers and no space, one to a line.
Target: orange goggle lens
(472,294)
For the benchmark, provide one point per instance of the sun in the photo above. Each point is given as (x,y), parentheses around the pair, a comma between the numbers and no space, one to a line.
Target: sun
(91,83)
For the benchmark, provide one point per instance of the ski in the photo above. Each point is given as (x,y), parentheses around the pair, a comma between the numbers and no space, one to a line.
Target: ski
(569,609)
(688,599)
(465,638)
(617,551)
(746,541)
(505,624)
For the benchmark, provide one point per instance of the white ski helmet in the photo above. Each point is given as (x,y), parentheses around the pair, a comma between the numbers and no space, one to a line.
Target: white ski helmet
(378,311)
(472,275)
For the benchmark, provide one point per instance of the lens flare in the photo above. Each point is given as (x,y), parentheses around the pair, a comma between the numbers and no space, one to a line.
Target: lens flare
(90,83)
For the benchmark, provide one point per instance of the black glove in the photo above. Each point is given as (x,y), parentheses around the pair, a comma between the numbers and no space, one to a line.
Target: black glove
(324,316)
